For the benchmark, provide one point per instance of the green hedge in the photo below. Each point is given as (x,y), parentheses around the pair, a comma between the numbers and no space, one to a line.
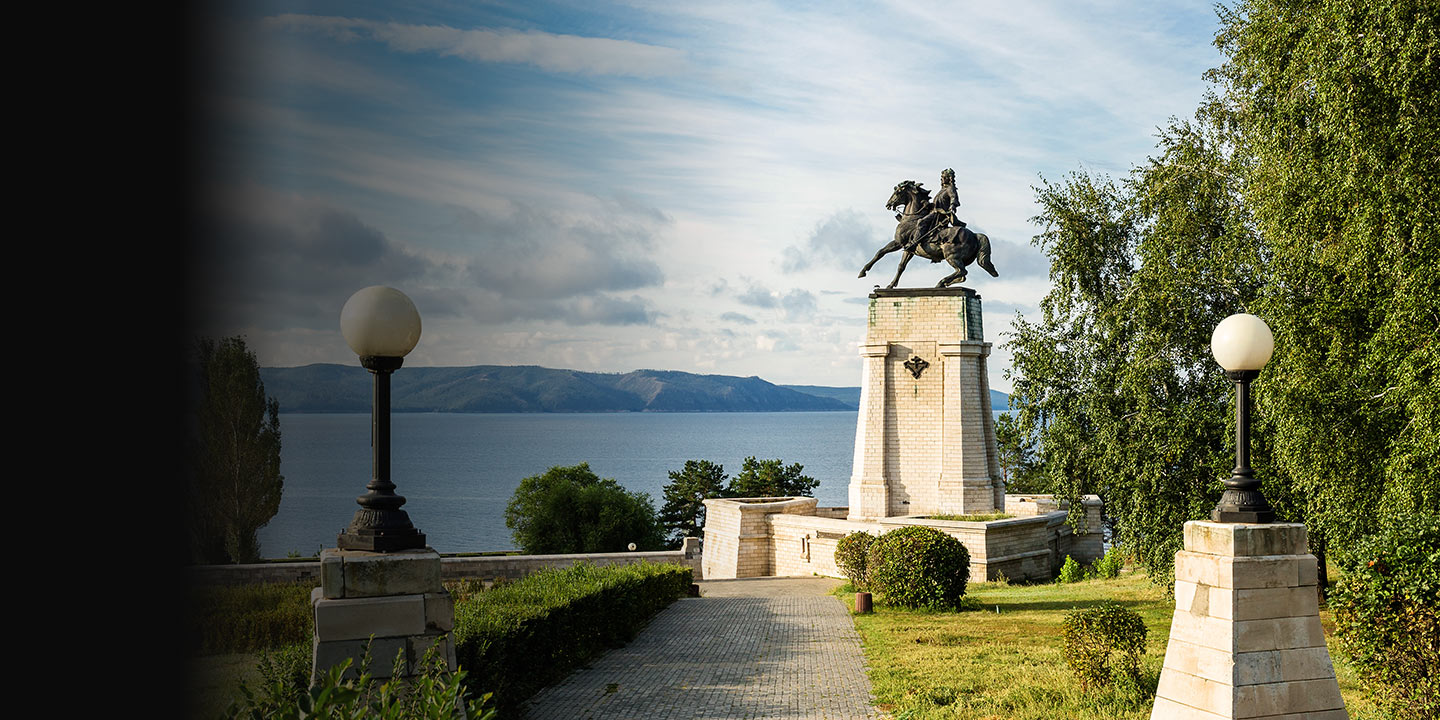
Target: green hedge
(1387,615)
(519,637)
(247,618)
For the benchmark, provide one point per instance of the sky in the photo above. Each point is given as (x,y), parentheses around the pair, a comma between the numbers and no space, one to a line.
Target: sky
(671,185)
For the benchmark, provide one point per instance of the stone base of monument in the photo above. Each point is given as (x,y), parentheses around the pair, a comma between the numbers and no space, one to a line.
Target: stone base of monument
(395,597)
(1245,641)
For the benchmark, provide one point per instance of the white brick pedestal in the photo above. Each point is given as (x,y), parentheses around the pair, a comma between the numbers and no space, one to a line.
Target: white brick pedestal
(925,439)
(1246,641)
(397,597)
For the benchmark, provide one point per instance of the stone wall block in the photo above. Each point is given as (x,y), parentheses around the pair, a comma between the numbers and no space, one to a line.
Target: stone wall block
(407,572)
(439,612)
(359,618)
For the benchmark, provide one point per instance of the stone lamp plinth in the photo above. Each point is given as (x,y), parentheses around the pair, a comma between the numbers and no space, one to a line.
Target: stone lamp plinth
(1245,641)
(396,597)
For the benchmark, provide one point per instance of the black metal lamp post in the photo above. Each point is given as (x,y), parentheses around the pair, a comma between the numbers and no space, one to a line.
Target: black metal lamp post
(381,325)
(1242,344)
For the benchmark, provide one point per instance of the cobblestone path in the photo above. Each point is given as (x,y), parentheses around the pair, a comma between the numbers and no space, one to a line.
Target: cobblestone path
(785,656)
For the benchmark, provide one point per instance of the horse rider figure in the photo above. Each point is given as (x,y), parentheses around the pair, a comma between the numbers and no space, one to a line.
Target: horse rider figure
(942,213)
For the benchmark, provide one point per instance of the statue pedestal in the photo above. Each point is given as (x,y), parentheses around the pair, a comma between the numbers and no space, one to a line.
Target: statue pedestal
(925,439)
(397,597)
(1245,641)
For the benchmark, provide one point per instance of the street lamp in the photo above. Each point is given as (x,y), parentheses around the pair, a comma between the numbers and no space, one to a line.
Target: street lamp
(381,325)
(1242,344)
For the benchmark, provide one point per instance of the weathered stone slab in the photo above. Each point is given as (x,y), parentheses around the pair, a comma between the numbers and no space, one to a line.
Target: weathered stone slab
(409,572)
(1246,540)
(439,612)
(359,618)
(326,655)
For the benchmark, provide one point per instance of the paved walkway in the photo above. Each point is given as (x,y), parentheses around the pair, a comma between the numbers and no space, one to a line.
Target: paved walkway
(751,649)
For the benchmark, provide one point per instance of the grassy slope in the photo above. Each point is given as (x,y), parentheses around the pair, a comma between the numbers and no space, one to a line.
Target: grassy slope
(1009,665)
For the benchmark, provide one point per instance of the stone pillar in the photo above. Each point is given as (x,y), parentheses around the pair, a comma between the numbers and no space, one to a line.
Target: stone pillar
(925,437)
(869,491)
(397,597)
(1245,641)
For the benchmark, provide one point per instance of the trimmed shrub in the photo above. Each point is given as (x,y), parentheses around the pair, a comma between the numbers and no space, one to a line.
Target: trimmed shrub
(917,566)
(1110,565)
(1386,615)
(1094,637)
(247,618)
(851,553)
(515,639)
(1071,571)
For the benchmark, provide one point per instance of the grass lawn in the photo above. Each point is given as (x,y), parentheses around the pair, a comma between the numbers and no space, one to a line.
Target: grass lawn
(1008,664)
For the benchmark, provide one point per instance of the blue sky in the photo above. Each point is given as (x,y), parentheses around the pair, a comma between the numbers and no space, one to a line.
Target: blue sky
(688,186)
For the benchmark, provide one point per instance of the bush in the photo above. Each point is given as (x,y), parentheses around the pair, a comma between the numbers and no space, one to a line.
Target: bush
(517,638)
(1110,565)
(1071,571)
(1094,636)
(247,618)
(851,552)
(433,694)
(573,510)
(1386,616)
(917,566)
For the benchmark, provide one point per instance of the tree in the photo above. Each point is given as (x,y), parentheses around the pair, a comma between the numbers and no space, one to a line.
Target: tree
(235,482)
(1337,105)
(573,510)
(771,478)
(683,513)
(1116,380)
(1304,192)
(1018,460)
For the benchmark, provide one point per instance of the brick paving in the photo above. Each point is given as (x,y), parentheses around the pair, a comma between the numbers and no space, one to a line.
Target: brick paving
(766,653)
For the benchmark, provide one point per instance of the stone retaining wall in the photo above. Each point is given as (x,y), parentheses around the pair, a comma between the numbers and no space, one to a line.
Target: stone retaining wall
(777,537)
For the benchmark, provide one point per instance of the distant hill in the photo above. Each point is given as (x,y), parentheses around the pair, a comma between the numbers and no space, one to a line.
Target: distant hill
(326,388)
(999,402)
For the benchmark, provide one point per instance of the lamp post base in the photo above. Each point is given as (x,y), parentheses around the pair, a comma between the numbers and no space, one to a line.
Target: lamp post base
(381,531)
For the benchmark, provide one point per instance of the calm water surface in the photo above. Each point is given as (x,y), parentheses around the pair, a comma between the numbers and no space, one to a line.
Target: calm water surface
(457,471)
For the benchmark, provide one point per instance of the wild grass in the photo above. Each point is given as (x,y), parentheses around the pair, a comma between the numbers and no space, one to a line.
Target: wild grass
(1006,659)
(973,517)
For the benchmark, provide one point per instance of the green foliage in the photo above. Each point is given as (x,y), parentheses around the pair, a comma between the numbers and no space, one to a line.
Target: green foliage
(1103,645)
(1019,459)
(1337,106)
(233,482)
(852,553)
(1302,192)
(917,566)
(246,618)
(973,517)
(342,694)
(1387,615)
(519,637)
(771,478)
(1071,571)
(683,514)
(1110,565)
(572,510)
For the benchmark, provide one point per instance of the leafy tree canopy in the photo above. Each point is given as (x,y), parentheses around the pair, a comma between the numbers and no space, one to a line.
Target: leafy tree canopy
(1304,191)
(771,478)
(573,510)
(234,482)
(684,511)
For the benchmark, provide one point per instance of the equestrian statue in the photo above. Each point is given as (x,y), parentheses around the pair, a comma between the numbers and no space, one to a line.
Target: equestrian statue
(930,229)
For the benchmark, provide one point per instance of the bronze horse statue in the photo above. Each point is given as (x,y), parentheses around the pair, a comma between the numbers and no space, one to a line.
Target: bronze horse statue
(958,246)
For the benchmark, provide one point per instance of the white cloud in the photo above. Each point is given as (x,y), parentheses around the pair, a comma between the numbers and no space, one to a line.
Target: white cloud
(547,51)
